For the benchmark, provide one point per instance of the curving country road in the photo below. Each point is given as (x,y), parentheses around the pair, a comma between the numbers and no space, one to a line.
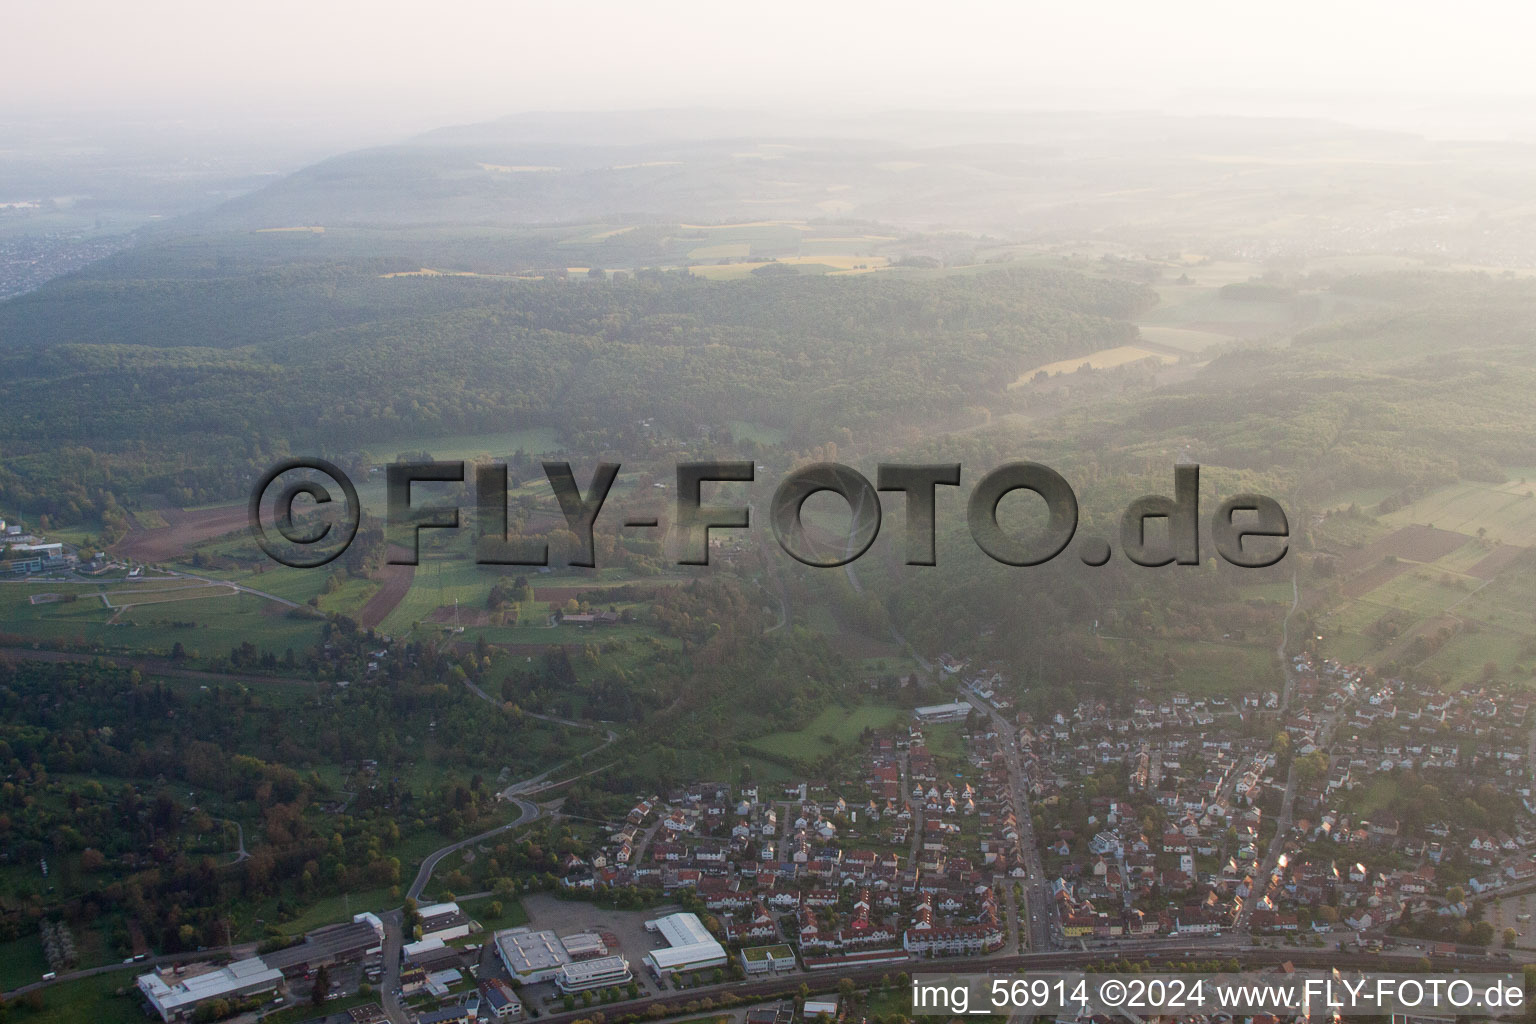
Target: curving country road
(240,851)
(527,811)
(394,920)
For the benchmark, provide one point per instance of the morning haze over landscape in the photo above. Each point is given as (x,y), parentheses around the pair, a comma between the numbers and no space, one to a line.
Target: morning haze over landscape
(676,616)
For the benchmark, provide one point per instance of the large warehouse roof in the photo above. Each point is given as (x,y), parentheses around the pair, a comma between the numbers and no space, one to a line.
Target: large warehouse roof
(185,992)
(689,944)
(683,930)
(528,953)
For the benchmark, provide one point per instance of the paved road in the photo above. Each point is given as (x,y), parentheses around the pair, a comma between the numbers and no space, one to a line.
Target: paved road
(526,812)
(637,854)
(394,920)
(389,983)
(138,967)
(540,781)
(240,853)
(1262,878)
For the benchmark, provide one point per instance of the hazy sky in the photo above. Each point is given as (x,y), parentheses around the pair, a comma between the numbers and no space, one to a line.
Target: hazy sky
(412,65)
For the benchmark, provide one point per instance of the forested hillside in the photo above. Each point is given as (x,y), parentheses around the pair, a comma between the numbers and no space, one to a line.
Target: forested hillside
(181,373)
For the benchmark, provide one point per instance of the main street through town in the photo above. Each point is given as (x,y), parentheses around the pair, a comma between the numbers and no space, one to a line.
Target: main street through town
(1266,872)
(1037,912)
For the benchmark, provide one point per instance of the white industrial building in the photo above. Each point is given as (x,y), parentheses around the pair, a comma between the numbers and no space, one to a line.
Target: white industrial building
(412,950)
(443,921)
(955,712)
(599,973)
(814,1008)
(177,995)
(689,945)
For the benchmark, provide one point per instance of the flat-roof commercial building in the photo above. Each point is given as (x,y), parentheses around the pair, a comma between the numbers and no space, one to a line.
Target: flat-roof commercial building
(955,712)
(763,959)
(530,956)
(176,996)
(443,921)
(689,945)
(779,1013)
(584,946)
(598,973)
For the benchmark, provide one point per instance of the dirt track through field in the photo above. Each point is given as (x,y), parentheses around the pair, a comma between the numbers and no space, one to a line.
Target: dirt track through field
(395,580)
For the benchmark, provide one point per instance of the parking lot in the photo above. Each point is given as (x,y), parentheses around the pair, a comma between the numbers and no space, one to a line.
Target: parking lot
(1514,912)
(627,926)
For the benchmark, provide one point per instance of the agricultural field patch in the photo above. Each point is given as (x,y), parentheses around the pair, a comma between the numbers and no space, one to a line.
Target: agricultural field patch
(1377,575)
(1414,543)
(1103,359)
(149,519)
(1496,562)
(799,264)
(184,530)
(194,618)
(104,999)
(1508,603)
(725,250)
(1181,338)
(1422,592)
(1465,658)
(757,433)
(1504,512)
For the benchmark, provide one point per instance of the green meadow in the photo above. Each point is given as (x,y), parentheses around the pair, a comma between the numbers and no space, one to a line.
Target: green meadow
(839,725)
